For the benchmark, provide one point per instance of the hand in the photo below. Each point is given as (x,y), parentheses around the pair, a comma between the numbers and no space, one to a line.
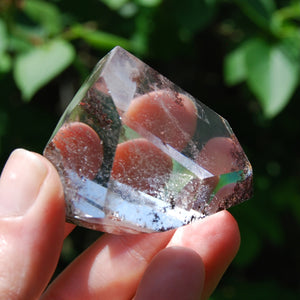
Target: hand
(183,264)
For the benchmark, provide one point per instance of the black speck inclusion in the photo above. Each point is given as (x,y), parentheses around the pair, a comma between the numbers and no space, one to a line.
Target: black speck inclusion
(166,159)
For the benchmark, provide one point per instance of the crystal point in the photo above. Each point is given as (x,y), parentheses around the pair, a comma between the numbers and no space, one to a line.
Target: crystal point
(136,153)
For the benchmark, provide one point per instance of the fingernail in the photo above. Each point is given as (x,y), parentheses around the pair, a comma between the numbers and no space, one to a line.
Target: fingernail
(20,183)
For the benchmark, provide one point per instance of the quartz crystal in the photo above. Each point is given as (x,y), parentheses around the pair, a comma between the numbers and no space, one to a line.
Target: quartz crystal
(136,153)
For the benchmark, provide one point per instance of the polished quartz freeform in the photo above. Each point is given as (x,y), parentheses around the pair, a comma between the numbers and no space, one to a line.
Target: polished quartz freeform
(136,153)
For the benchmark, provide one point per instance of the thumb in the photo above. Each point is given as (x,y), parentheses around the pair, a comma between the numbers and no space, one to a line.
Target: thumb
(31,225)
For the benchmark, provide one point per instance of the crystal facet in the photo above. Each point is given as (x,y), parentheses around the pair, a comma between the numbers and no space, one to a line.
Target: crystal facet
(136,153)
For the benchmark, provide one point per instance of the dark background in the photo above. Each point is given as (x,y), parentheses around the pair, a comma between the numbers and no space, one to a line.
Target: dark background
(189,42)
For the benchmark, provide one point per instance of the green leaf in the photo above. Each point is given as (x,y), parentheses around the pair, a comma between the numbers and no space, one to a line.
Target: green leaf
(45,14)
(18,44)
(195,14)
(259,11)
(114,4)
(140,39)
(5,62)
(3,36)
(149,3)
(235,70)
(283,21)
(272,74)
(34,69)
(99,39)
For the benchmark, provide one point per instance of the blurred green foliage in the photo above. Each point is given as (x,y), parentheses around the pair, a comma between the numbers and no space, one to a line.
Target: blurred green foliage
(239,57)
(264,52)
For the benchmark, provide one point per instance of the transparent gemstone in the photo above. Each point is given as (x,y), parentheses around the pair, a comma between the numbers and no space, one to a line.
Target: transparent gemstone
(136,153)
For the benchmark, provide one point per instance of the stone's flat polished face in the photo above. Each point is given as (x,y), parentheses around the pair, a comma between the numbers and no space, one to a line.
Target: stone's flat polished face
(135,153)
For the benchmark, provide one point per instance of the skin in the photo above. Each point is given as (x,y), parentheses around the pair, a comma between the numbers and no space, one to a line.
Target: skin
(137,162)
(187,262)
(113,267)
(216,156)
(170,117)
(141,165)
(78,142)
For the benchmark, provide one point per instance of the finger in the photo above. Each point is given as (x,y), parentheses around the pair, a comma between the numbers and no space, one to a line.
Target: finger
(216,239)
(218,202)
(68,229)
(110,269)
(31,225)
(174,273)
(141,165)
(170,116)
(80,148)
(219,156)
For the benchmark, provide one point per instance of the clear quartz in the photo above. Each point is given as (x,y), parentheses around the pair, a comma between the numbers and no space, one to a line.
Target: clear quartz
(136,153)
